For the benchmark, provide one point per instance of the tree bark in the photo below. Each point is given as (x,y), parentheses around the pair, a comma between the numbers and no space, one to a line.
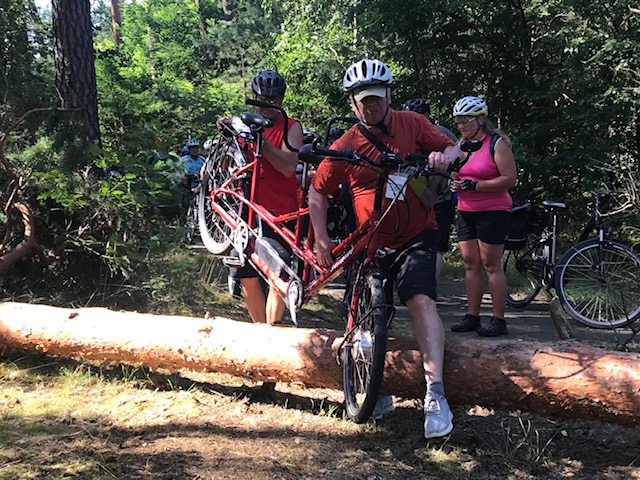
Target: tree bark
(116,21)
(564,379)
(74,61)
(201,26)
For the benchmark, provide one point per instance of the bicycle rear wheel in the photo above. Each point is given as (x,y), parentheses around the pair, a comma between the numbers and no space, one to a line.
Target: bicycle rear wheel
(365,350)
(220,167)
(524,270)
(599,284)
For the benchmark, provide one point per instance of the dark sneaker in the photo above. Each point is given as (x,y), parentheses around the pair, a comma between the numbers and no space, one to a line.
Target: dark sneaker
(496,327)
(470,323)
(437,416)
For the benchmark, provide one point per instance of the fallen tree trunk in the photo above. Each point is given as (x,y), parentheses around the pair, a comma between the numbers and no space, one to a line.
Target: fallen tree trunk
(564,378)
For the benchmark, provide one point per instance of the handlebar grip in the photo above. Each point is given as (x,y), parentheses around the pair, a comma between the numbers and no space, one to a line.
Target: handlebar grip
(343,154)
(307,154)
(314,154)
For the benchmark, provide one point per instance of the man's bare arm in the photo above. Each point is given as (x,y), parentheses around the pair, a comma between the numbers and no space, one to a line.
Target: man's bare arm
(318,212)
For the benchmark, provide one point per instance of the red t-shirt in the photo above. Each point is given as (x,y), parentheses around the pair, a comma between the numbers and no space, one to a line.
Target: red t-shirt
(277,192)
(410,133)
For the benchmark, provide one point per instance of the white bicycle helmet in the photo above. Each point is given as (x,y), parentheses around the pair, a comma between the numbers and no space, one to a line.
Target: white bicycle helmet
(366,72)
(472,106)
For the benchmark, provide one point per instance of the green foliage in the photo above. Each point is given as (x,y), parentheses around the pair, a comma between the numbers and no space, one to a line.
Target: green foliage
(561,77)
(25,65)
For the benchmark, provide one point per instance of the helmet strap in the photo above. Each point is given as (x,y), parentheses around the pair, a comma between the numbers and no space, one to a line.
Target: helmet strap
(478,127)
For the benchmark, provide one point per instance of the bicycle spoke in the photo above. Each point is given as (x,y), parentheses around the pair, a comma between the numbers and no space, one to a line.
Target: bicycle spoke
(365,352)
(214,231)
(524,272)
(599,285)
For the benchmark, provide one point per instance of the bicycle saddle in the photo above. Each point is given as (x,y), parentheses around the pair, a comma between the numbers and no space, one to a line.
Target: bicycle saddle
(255,120)
(551,204)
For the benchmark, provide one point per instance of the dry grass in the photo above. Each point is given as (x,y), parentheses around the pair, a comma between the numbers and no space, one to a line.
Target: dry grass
(66,419)
(62,419)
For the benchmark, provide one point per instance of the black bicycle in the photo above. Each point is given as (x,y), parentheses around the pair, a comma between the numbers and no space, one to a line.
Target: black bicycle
(192,192)
(597,280)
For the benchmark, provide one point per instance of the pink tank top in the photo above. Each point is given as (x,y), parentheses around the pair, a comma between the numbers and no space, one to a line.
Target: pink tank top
(481,166)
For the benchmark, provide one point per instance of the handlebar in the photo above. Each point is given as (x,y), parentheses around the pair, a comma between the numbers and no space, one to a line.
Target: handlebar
(314,154)
(258,103)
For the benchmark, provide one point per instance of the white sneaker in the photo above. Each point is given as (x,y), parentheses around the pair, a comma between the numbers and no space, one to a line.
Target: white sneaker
(437,416)
(384,406)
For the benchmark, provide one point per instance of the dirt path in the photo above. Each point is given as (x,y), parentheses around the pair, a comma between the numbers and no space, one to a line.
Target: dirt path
(533,323)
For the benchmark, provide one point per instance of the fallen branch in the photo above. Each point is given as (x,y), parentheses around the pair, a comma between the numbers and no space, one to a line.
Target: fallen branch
(27,246)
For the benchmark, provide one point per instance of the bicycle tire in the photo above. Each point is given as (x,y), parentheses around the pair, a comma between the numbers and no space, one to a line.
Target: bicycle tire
(524,270)
(365,351)
(600,294)
(220,167)
(190,224)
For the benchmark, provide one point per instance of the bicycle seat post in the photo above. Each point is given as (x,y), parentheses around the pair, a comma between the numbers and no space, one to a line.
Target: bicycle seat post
(554,236)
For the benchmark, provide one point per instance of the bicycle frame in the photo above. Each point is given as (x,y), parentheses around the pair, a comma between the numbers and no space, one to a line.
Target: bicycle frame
(593,223)
(544,251)
(304,278)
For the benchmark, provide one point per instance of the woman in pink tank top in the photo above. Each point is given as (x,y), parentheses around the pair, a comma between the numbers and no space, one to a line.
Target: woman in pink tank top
(484,210)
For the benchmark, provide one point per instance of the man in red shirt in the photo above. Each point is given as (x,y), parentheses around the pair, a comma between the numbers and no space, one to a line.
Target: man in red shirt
(410,229)
(277,193)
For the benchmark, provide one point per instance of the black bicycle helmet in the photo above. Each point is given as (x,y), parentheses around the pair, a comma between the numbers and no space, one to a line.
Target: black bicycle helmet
(308,136)
(269,83)
(419,105)
(334,134)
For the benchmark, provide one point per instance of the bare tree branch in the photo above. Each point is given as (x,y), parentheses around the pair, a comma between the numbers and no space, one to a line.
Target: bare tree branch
(27,246)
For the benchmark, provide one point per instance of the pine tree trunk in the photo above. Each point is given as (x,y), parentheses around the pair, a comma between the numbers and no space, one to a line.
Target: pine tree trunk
(74,61)
(563,379)
(116,21)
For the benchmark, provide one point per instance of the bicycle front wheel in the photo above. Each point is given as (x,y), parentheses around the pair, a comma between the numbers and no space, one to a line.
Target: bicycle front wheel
(190,224)
(366,347)
(598,284)
(524,270)
(220,168)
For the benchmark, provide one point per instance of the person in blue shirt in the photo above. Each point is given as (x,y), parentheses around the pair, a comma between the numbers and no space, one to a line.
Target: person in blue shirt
(192,163)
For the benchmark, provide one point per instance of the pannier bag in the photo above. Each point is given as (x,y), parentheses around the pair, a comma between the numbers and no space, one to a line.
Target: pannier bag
(525,220)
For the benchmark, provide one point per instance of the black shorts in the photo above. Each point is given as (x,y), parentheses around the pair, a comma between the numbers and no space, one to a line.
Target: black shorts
(490,227)
(445,211)
(275,241)
(412,267)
